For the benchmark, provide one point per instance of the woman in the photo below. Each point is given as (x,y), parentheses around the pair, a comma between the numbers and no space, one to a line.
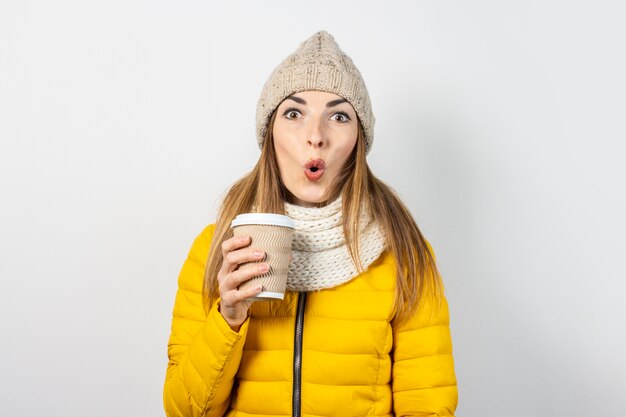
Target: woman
(363,329)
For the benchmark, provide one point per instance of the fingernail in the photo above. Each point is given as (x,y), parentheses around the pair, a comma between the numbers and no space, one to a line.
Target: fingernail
(243,239)
(258,253)
(259,288)
(264,267)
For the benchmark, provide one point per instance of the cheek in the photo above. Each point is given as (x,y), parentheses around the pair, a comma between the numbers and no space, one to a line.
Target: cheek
(282,151)
(345,151)
(285,158)
(281,144)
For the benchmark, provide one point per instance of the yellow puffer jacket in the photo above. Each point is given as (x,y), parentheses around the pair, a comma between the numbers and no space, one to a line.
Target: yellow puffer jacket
(353,361)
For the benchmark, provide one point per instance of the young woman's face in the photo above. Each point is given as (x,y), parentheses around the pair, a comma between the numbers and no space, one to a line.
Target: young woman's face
(314,134)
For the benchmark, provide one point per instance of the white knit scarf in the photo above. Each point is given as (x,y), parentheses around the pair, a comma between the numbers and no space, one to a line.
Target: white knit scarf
(320,256)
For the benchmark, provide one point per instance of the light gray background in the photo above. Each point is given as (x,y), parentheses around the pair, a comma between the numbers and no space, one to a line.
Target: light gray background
(501,124)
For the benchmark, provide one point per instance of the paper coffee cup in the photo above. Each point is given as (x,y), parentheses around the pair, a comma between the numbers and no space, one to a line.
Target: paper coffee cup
(272,233)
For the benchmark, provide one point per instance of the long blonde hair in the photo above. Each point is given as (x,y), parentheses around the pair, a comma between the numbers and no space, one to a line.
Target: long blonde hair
(417,276)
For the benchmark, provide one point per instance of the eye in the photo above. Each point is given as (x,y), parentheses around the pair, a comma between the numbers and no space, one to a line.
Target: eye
(341,117)
(291,113)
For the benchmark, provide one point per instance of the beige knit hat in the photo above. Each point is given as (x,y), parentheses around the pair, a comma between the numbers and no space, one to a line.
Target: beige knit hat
(317,64)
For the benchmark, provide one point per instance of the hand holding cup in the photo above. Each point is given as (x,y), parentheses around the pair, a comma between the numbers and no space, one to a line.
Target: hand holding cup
(273,233)
(258,272)
(235,303)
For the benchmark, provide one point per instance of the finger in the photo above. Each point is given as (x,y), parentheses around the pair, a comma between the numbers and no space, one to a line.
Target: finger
(233,259)
(234,243)
(238,277)
(231,298)
(244,295)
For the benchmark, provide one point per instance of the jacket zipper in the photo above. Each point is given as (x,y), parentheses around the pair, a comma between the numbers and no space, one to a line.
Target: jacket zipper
(297,356)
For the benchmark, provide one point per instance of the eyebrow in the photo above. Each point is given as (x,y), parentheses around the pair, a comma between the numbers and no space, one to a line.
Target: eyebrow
(329,104)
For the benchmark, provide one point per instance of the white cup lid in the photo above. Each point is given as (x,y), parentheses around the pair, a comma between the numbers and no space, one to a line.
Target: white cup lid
(263,218)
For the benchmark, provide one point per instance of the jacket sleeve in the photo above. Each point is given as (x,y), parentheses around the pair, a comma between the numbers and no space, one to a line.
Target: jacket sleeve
(423,377)
(204,352)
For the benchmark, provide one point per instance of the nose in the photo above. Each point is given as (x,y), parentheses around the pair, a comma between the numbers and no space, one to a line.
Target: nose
(316,135)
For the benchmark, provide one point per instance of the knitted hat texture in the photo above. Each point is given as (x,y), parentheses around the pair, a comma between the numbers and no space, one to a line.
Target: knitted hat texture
(317,64)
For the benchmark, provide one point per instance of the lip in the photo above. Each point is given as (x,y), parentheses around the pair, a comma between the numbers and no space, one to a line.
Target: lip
(314,169)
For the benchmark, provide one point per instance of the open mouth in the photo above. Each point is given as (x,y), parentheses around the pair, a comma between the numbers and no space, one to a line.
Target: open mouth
(314,169)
